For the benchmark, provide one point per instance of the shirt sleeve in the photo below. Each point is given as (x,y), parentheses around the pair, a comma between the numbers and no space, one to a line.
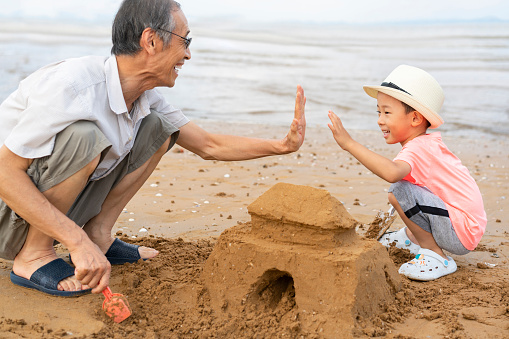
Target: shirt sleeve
(415,154)
(173,114)
(46,103)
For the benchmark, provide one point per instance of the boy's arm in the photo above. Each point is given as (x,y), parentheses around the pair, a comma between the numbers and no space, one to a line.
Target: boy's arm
(391,171)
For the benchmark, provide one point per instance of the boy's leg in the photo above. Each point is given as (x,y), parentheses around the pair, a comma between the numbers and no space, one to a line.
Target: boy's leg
(99,206)
(415,233)
(60,177)
(426,217)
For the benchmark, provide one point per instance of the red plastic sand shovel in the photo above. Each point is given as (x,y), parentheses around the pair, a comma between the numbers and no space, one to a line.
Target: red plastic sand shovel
(116,306)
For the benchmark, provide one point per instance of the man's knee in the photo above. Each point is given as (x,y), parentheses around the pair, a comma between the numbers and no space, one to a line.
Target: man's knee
(77,147)
(84,142)
(155,137)
(80,141)
(158,125)
(164,147)
(91,166)
(82,135)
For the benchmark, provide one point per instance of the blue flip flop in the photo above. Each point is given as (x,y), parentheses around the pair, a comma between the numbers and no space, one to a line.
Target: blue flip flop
(47,277)
(121,252)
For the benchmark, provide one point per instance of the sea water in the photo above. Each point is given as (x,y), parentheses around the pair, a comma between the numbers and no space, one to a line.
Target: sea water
(249,73)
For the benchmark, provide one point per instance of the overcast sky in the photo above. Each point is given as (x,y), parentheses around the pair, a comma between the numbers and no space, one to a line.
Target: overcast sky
(346,11)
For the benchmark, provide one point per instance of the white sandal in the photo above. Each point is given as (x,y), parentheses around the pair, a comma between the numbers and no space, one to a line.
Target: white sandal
(401,240)
(428,265)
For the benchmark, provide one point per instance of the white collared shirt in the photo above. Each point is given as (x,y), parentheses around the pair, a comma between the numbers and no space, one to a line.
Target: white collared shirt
(86,88)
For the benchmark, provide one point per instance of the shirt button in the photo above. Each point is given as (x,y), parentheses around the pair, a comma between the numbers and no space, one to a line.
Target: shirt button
(130,138)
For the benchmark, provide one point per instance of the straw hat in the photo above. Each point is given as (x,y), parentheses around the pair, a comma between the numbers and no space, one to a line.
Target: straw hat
(416,88)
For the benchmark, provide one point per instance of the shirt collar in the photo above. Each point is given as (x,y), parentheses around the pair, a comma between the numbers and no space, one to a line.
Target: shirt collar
(435,135)
(115,95)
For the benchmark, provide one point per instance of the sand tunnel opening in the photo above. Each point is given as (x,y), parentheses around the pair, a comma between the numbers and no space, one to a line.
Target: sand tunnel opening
(274,289)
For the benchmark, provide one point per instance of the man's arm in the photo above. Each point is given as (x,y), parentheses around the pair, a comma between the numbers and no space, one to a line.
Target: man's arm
(228,147)
(391,171)
(19,192)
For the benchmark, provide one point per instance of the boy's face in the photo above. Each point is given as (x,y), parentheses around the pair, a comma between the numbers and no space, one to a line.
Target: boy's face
(394,122)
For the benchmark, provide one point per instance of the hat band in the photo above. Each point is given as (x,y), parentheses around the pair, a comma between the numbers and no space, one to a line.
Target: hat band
(391,85)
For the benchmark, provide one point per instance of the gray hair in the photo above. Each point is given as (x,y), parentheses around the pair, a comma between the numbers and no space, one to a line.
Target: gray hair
(134,16)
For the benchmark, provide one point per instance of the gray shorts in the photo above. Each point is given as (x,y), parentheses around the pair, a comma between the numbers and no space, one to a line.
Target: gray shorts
(429,212)
(75,147)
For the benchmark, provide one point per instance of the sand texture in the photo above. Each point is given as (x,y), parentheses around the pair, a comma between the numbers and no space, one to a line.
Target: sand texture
(204,214)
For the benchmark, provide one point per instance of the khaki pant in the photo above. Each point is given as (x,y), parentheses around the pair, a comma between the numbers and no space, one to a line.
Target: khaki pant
(75,147)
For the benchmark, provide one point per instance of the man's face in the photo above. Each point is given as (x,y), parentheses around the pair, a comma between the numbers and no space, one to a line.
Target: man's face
(172,58)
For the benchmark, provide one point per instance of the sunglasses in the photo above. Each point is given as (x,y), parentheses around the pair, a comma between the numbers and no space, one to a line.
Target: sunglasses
(187,41)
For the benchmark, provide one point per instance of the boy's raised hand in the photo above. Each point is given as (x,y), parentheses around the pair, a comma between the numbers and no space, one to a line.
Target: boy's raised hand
(391,171)
(339,132)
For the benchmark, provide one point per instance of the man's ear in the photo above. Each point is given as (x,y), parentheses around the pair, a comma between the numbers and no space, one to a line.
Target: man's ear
(148,40)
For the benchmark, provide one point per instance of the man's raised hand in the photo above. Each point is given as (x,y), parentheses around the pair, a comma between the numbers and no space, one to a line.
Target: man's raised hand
(295,138)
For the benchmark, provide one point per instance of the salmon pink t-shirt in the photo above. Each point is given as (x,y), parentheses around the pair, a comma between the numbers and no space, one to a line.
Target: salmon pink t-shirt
(438,169)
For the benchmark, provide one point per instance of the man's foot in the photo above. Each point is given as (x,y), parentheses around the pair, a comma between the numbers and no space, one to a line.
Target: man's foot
(25,266)
(121,252)
(147,252)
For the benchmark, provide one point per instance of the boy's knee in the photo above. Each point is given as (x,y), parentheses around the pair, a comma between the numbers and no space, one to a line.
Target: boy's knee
(392,199)
(399,186)
(397,189)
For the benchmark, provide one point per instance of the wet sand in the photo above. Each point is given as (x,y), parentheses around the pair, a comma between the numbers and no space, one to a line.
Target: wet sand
(188,202)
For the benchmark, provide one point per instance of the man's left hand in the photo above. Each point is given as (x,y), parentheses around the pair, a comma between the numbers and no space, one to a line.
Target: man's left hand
(295,138)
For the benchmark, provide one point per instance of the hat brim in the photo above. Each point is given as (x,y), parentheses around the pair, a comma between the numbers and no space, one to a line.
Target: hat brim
(434,119)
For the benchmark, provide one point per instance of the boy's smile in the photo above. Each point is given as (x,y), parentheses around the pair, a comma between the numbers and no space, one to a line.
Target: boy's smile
(395,124)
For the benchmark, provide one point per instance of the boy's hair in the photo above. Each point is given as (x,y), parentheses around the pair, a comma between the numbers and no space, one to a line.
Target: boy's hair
(410,109)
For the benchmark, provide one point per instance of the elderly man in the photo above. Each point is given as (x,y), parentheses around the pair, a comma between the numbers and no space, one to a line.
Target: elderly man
(80,137)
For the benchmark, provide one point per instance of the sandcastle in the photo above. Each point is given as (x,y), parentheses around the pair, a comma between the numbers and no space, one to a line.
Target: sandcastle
(302,240)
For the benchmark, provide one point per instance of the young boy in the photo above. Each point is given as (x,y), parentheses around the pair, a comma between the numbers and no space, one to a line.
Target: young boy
(433,193)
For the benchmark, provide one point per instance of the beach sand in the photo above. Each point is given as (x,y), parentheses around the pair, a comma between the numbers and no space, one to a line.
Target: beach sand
(188,202)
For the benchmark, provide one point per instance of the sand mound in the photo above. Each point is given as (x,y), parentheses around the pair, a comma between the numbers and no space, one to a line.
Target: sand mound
(301,250)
